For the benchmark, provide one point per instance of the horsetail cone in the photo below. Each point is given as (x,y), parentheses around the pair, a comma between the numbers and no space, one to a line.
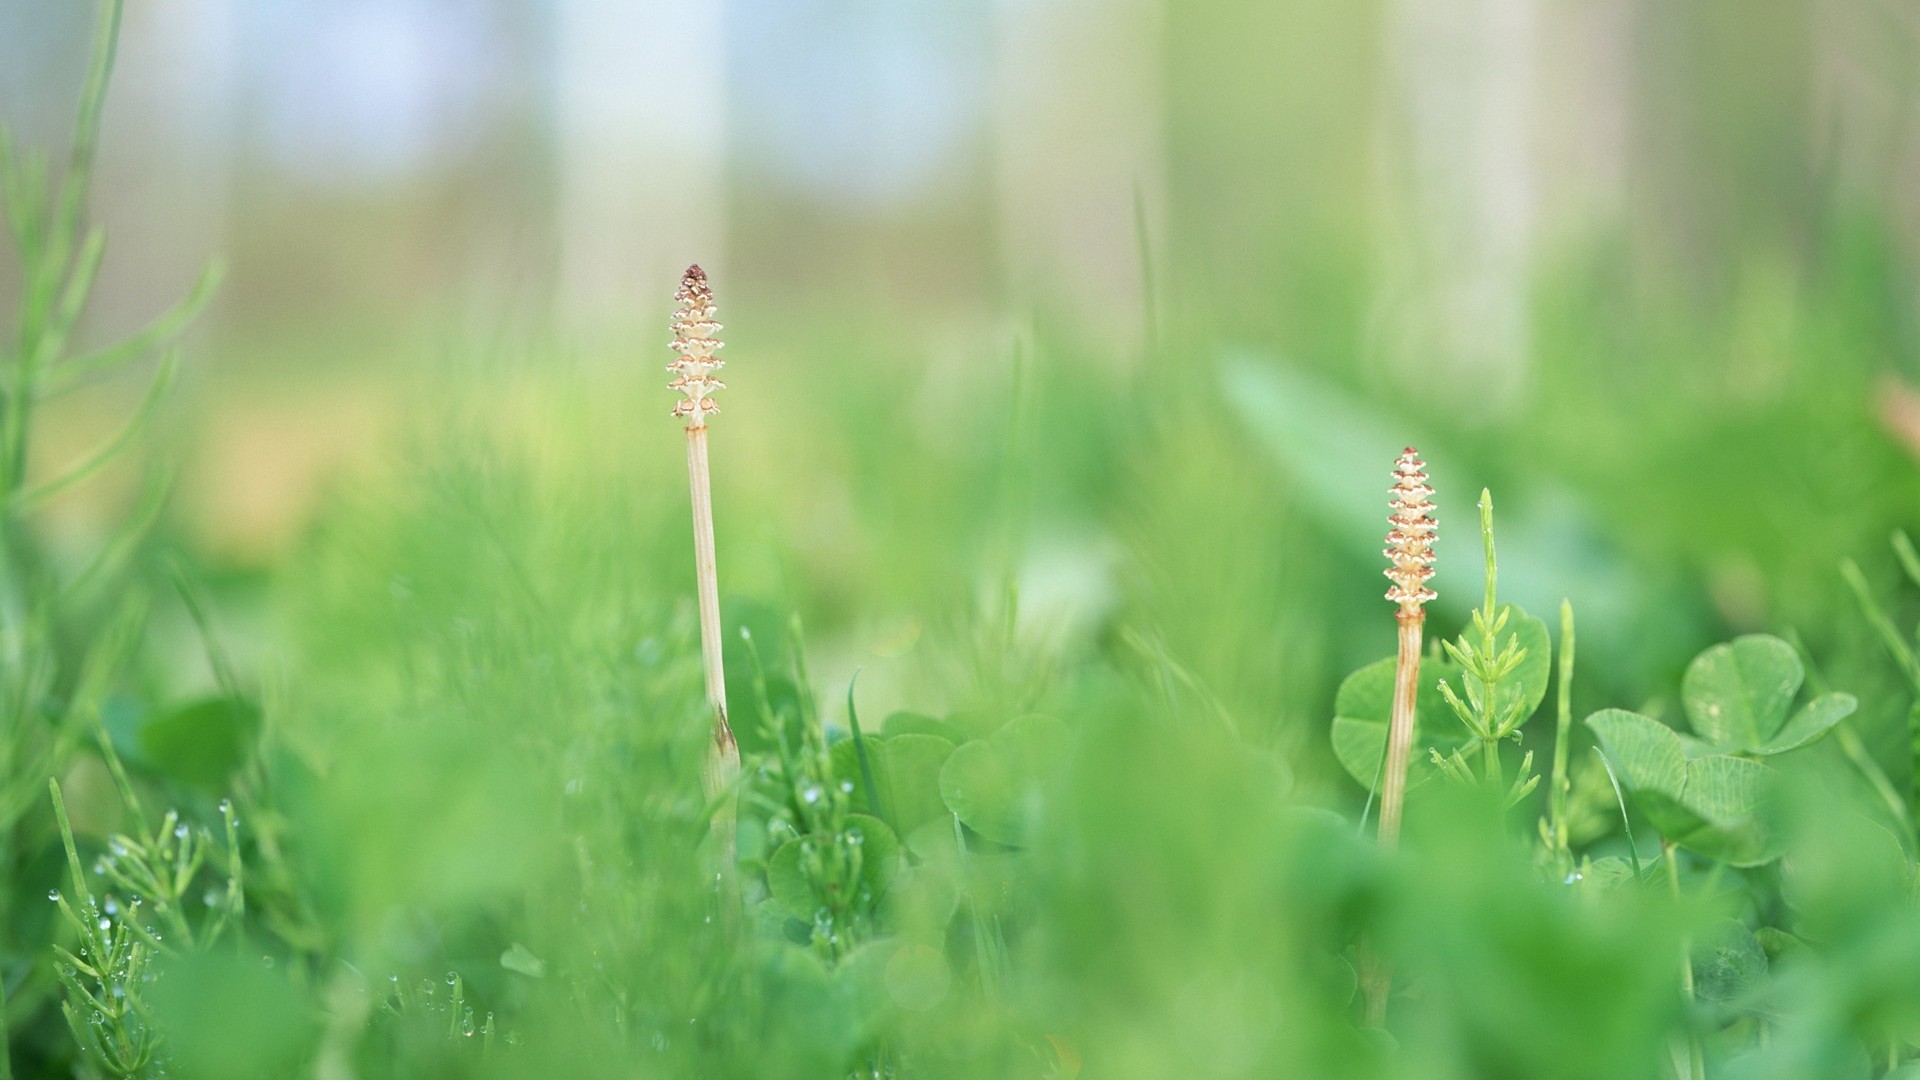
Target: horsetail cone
(1410,542)
(694,371)
(693,338)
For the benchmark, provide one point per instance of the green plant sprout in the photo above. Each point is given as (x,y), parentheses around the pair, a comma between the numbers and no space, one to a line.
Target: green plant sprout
(831,865)
(1901,649)
(405,1001)
(159,876)
(1554,829)
(1496,697)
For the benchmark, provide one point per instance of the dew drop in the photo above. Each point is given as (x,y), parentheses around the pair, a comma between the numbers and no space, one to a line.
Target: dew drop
(812,794)
(53,895)
(180,832)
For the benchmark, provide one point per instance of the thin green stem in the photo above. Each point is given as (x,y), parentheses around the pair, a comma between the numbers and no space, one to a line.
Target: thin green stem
(1489,645)
(1696,1057)
(1890,635)
(1857,753)
(1561,789)
(1486,539)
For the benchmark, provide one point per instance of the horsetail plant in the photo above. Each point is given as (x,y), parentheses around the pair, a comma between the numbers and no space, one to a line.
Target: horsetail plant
(1496,700)
(153,881)
(62,624)
(1410,550)
(695,377)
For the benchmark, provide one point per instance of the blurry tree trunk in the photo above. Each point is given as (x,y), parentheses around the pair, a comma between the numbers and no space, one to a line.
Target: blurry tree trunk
(1866,105)
(1464,188)
(1079,157)
(164,185)
(640,119)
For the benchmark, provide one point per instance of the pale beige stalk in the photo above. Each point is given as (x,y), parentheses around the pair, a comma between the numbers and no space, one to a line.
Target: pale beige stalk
(1410,550)
(693,338)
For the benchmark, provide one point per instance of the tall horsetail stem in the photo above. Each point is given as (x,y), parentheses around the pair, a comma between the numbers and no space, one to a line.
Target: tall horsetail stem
(694,372)
(1410,551)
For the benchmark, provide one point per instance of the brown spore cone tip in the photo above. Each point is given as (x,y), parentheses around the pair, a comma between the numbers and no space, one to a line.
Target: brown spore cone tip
(1410,541)
(694,331)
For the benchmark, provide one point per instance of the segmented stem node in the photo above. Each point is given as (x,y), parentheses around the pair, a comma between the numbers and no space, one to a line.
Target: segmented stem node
(1410,541)
(694,331)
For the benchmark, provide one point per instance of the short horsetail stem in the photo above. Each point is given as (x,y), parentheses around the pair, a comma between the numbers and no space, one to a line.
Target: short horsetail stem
(694,376)
(1410,551)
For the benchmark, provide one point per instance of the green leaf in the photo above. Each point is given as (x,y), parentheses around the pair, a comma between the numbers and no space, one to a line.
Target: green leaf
(1708,804)
(906,770)
(995,784)
(1737,695)
(912,723)
(1728,963)
(1648,754)
(202,743)
(1531,674)
(1725,790)
(787,880)
(518,958)
(1780,945)
(912,767)
(1841,867)
(1607,872)
(1814,720)
(1363,707)
(880,851)
(801,896)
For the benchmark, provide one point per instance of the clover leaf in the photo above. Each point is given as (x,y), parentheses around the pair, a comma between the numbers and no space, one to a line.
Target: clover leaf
(1704,790)
(1362,707)
(1708,802)
(1739,698)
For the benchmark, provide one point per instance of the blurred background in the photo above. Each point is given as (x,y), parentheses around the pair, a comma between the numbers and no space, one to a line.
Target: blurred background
(1128,302)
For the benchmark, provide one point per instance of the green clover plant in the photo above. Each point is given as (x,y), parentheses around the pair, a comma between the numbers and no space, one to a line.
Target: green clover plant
(1703,790)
